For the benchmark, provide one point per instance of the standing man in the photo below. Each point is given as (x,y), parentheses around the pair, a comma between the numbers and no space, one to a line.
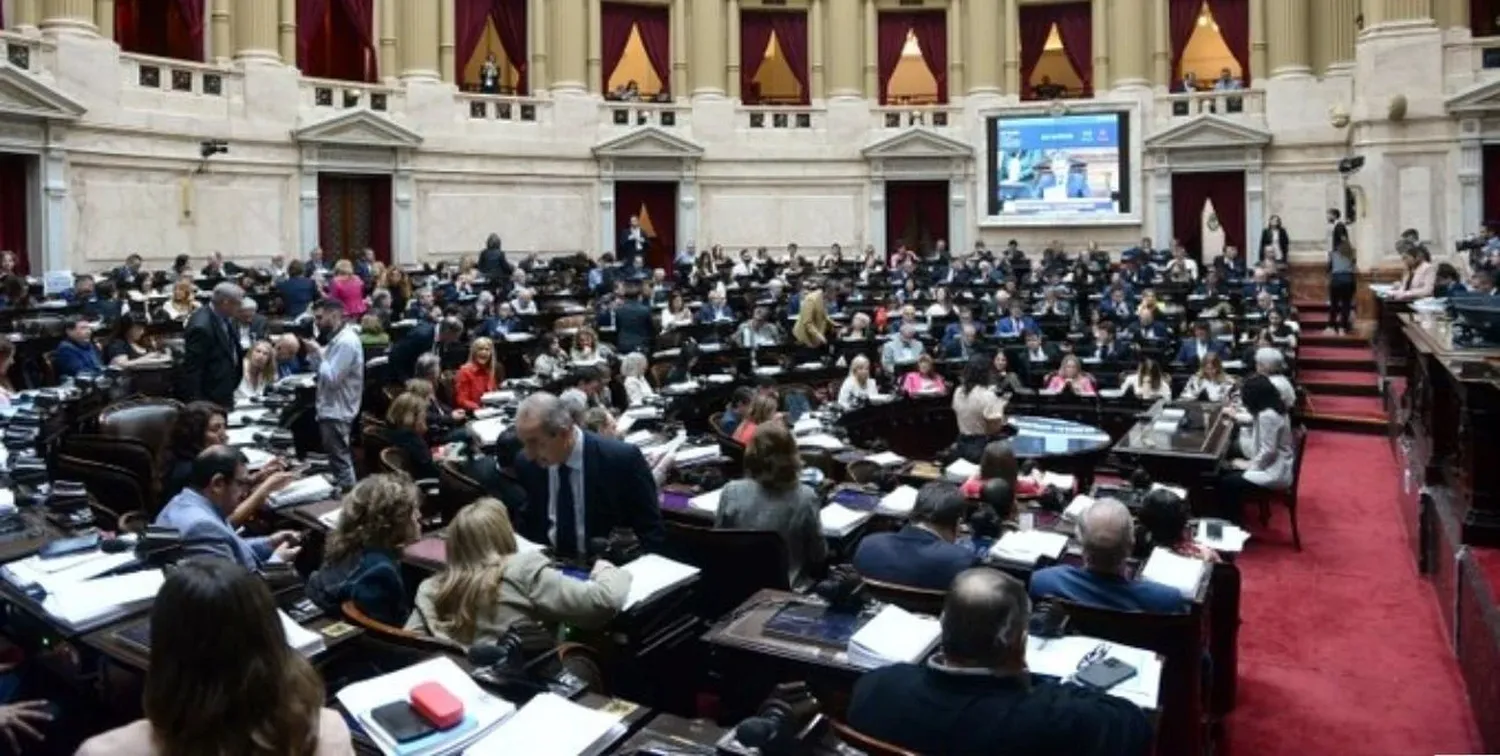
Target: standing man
(212,355)
(633,241)
(341,385)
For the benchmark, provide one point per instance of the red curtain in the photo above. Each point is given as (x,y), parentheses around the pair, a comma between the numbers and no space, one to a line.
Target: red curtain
(312,16)
(756,28)
(330,202)
(470,17)
(656,35)
(1036,25)
(1233,18)
(361,15)
(510,22)
(191,13)
(659,198)
(15,203)
(164,28)
(1075,26)
(616,21)
(380,217)
(1182,18)
(335,40)
(1190,191)
(919,204)
(931,31)
(1491,184)
(791,35)
(890,39)
(1482,18)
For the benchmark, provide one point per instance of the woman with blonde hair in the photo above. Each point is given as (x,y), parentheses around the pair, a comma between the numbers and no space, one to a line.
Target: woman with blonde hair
(637,388)
(813,324)
(858,386)
(371,333)
(586,347)
(257,371)
(1210,382)
(396,282)
(349,289)
(183,302)
(362,560)
(489,584)
(763,409)
(479,376)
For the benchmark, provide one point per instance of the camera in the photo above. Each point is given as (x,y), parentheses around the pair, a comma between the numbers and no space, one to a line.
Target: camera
(1468,244)
(210,147)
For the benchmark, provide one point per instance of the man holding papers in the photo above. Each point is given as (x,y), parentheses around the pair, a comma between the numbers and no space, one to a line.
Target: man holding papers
(976,696)
(922,554)
(1108,537)
(200,513)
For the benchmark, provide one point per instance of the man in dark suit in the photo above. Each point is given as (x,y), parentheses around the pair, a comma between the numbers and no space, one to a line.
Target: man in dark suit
(580,486)
(633,241)
(922,554)
(633,326)
(1201,345)
(211,366)
(1108,535)
(1107,348)
(492,262)
(421,339)
(977,697)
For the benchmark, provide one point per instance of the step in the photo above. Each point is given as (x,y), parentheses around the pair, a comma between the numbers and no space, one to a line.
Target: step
(1332,405)
(1341,424)
(1314,336)
(1339,382)
(1336,358)
(1311,306)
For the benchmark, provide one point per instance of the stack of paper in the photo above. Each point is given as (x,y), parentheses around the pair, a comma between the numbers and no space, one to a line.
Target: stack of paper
(482,712)
(652,575)
(886,459)
(640,437)
(899,501)
(548,725)
(488,430)
(302,640)
(1059,481)
(1181,493)
(689,454)
(685,387)
(52,574)
(820,441)
(256,459)
(708,502)
(839,520)
(304,491)
(1077,507)
(643,413)
(498,397)
(1180,572)
(330,519)
(83,602)
(961,470)
(1029,546)
(243,436)
(893,636)
(1059,657)
(807,424)
(1231,540)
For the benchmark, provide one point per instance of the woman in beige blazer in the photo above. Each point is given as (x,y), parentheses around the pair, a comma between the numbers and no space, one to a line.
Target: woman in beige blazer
(1421,275)
(489,585)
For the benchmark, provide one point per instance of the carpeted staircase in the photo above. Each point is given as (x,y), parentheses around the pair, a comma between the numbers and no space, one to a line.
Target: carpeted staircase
(1338,376)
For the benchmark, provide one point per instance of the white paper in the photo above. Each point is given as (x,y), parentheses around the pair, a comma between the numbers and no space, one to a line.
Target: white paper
(643,413)
(248,416)
(689,454)
(640,437)
(1077,507)
(1180,572)
(548,725)
(256,458)
(839,520)
(820,441)
(88,600)
(498,397)
(1059,657)
(302,640)
(1180,492)
(893,636)
(1059,481)
(1029,546)
(304,491)
(488,430)
(899,501)
(807,424)
(486,709)
(652,575)
(243,436)
(52,574)
(708,502)
(330,519)
(886,459)
(960,471)
(1233,539)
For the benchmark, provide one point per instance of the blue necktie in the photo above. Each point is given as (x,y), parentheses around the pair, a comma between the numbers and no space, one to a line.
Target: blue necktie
(567,518)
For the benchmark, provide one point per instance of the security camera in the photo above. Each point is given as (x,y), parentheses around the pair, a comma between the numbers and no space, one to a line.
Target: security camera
(1350,165)
(210,147)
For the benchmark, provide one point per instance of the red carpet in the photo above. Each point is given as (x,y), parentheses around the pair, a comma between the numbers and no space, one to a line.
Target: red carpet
(1346,406)
(1341,651)
(1361,377)
(1333,353)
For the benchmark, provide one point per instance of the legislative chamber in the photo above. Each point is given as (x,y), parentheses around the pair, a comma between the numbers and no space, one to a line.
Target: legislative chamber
(748,377)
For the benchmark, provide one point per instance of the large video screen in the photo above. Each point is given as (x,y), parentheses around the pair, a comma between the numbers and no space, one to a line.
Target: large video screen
(1060,169)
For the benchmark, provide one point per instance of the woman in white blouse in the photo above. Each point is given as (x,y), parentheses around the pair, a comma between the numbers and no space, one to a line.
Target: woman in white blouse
(259,371)
(637,388)
(858,387)
(1268,463)
(942,305)
(1147,382)
(677,314)
(1210,382)
(183,302)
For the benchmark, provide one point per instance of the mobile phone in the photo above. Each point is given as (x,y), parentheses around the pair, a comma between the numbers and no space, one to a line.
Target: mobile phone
(68,546)
(1215,530)
(401,721)
(1105,673)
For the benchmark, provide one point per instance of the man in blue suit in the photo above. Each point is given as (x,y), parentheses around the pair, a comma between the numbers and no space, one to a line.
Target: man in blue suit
(580,486)
(1108,536)
(76,354)
(200,513)
(424,338)
(922,554)
(1201,345)
(1016,324)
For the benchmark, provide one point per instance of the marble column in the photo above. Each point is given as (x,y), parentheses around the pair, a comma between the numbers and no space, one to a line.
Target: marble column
(286,32)
(984,46)
(68,16)
(536,17)
(869,51)
(1334,22)
(255,31)
(570,59)
(1382,12)
(595,45)
(220,46)
(1258,65)
(677,28)
(447,48)
(1289,25)
(1129,49)
(1011,26)
(732,22)
(104,18)
(419,41)
(708,41)
(1099,18)
(1453,14)
(1161,45)
(388,55)
(28,13)
(957,76)
(816,79)
(844,58)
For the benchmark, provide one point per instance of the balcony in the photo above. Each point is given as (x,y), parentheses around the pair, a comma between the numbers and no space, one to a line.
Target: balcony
(504,108)
(181,87)
(905,116)
(792,118)
(632,114)
(331,94)
(1181,106)
(1472,61)
(21,51)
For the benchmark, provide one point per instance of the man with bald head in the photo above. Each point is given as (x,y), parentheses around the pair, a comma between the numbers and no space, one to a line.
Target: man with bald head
(1108,536)
(211,350)
(975,695)
(580,486)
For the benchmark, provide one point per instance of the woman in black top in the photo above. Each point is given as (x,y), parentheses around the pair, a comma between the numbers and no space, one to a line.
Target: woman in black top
(408,432)
(126,342)
(199,425)
(1274,236)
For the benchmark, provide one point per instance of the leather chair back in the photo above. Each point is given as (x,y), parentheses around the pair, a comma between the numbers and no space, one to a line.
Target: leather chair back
(866,744)
(735,563)
(148,420)
(131,455)
(918,600)
(112,491)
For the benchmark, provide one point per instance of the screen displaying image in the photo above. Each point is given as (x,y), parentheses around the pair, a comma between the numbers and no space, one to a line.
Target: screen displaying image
(1059,168)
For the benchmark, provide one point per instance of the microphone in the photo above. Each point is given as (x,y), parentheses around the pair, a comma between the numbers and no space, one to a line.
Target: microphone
(775,728)
(843,589)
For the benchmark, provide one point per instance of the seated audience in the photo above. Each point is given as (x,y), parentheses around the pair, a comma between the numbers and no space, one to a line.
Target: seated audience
(1147,382)
(925,380)
(637,387)
(489,584)
(763,409)
(258,372)
(1268,462)
(736,410)
(905,349)
(1164,518)
(1071,376)
(1210,382)
(76,354)
(372,333)
(998,462)
(599,421)
(362,559)
(976,695)
(1200,345)
(183,302)
(858,387)
(222,678)
(923,553)
(408,429)
(772,496)
(1107,533)
(127,343)
(201,513)
(477,377)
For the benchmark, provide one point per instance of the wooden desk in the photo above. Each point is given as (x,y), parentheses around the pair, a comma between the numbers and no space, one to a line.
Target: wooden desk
(1187,457)
(39,531)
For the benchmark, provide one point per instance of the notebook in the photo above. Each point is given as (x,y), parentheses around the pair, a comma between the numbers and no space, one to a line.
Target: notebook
(886,459)
(839,521)
(1029,546)
(707,502)
(893,636)
(483,712)
(1180,572)
(304,491)
(653,575)
(548,725)
(899,501)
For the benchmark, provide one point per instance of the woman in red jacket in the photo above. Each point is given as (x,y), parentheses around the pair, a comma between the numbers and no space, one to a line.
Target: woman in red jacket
(477,377)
